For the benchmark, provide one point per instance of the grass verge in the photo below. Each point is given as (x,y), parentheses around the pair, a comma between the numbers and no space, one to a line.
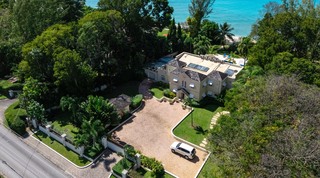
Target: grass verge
(58,147)
(201,124)
(14,118)
(157,92)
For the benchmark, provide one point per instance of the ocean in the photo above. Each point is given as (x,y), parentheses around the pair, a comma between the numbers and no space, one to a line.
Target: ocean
(240,14)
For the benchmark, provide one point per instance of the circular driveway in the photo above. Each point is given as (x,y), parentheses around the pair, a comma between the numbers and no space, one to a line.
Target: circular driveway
(150,132)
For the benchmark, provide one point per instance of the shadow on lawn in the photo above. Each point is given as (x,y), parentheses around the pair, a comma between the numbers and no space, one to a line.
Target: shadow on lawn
(200,130)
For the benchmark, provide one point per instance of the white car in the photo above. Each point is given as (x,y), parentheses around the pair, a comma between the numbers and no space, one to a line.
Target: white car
(183,149)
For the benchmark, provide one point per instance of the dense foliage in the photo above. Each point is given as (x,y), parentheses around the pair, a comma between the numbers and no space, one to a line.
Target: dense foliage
(272,130)
(288,40)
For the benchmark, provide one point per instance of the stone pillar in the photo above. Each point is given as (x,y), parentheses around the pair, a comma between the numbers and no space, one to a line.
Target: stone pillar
(104,142)
(138,161)
(11,94)
(81,151)
(48,127)
(63,136)
(124,173)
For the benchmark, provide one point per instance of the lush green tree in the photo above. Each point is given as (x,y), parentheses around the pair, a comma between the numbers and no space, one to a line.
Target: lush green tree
(38,55)
(201,44)
(210,29)
(101,37)
(32,17)
(198,10)
(36,111)
(91,129)
(271,130)
(33,90)
(68,103)
(172,36)
(224,33)
(143,19)
(73,75)
(10,55)
(244,46)
(100,109)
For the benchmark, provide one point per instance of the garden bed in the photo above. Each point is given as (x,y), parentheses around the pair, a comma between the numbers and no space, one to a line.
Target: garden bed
(121,165)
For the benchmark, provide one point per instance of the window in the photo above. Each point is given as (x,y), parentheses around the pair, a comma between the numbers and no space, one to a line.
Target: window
(210,82)
(191,85)
(174,90)
(191,95)
(204,95)
(210,93)
(175,79)
(184,83)
(163,78)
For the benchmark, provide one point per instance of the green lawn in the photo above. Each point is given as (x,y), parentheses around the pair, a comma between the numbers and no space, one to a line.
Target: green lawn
(129,88)
(158,93)
(62,125)
(201,118)
(14,115)
(69,154)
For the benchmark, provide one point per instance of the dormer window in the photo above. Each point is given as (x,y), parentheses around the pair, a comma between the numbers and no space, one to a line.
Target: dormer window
(175,79)
(191,85)
(210,82)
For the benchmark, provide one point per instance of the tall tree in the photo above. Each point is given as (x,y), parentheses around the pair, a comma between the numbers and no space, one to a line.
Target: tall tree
(38,55)
(199,10)
(101,41)
(244,46)
(201,44)
(73,75)
(32,17)
(224,33)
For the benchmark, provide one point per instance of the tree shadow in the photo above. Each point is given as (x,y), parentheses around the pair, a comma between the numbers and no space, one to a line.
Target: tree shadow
(200,130)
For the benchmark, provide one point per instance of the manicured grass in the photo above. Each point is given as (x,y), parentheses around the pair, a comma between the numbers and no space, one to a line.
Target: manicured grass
(130,88)
(201,118)
(164,32)
(63,125)
(158,93)
(69,154)
(210,169)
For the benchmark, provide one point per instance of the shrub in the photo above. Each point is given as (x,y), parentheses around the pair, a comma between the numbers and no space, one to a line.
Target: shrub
(153,164)
(136,101)
(14,116)
(94,150)
(18,125)
(168,93)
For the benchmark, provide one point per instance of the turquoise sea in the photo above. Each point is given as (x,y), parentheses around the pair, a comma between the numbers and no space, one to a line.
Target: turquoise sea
(241,14)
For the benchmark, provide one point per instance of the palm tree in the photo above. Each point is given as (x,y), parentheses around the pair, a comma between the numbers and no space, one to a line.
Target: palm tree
(244,46)
(224,32)
(93,128)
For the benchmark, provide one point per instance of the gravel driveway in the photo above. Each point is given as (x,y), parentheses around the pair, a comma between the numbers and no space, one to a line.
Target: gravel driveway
(150,132)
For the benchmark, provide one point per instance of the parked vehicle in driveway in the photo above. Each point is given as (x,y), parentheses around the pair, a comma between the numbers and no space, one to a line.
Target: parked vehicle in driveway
(183,149)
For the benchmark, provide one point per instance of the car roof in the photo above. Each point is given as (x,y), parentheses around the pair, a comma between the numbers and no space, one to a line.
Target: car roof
(187,147)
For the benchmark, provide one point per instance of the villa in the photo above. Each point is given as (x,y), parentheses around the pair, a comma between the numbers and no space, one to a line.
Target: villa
(196,76)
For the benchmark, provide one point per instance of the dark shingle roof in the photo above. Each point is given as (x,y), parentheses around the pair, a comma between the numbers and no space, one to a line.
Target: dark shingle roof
(217,75)
(195,75)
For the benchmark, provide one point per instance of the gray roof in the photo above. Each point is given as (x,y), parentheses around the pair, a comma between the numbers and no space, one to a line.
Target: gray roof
(217,75)
(195,75)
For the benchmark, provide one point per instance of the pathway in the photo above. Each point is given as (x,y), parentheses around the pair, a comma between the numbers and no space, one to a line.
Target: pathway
(144,88)
(213,122)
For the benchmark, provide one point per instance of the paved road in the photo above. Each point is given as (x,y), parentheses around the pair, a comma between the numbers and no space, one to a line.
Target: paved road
(18,160)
